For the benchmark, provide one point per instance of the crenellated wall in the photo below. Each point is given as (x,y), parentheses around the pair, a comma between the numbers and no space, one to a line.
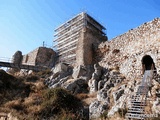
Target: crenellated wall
(127,50)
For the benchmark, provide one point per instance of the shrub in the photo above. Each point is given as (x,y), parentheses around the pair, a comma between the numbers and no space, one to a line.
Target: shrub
(82,96)
(32,78)
(104,115)
(122,112)
(44,73)
(57,100)
(15,104)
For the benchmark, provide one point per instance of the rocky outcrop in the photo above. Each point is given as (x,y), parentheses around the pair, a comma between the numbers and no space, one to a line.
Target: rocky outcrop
(72,79)
(97,108)
(96,76)
(76,86)
(60,74)
(109,80)
(79,71)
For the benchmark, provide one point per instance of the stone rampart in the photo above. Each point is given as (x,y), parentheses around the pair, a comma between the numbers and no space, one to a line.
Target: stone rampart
(41,56)
(126,51)
(30,58)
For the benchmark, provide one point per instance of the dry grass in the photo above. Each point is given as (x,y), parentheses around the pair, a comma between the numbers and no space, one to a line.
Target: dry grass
(15,104)
(91,98)
(82,96)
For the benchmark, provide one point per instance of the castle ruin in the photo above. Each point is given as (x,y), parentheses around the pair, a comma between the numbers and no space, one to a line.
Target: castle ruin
(75,39)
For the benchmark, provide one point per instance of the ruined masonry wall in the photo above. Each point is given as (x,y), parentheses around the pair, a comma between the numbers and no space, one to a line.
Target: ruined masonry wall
(127,50)
(45,57)
(84,52)
(30,58)
(41,56)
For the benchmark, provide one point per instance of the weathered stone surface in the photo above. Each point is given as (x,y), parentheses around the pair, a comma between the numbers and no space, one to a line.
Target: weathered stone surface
(96,76)
(156,106)
(93,85)
(75,86)
(79,71)
(61,73)
(117,94)
(61,67)
(17,57)
(84,52)
(102,95)
(97,108)
(120,103)
(41,56)
(97,72)
(132,46)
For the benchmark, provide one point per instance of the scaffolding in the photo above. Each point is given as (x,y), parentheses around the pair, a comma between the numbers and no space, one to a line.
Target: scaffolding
(68,34)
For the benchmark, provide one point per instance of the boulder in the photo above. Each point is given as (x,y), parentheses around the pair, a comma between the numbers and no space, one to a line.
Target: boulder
(58,83)
(59,68)
(97,108)
(102,95)
(108,84)
(120,103)
(156,106)
(117,94)
(75,86)
(97,72)
(93,85)
(101,84)
(79,71)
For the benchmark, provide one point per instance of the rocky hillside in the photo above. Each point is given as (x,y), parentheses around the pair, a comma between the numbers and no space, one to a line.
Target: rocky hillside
(104,90)
(106,93)
(26,97)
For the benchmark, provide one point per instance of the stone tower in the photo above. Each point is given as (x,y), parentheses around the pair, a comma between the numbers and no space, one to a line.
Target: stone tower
(76,37)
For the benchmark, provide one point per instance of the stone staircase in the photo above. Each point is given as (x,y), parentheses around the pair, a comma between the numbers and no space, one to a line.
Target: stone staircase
(138,103)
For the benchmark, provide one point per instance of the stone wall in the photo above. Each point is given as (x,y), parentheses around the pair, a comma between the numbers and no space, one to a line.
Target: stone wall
(45,57)
(84,52)
(126,51)
(17,57)
(41,56)
(30,58)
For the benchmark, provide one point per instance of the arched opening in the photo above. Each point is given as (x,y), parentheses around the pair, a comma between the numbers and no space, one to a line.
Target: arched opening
(148,62)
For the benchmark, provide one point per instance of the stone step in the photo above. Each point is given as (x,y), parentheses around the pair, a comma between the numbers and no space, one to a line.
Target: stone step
(139,96)
(138,101)
(136,109)
(138,104)
(142,93)
(134,116)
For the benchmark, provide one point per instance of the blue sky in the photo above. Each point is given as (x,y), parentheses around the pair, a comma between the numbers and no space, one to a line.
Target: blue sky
(25,24)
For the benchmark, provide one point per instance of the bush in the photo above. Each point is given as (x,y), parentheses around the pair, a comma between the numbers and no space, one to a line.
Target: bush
(44,73)
(32,78)
(57,100)
(82,96)
(104,115)
(122,112)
